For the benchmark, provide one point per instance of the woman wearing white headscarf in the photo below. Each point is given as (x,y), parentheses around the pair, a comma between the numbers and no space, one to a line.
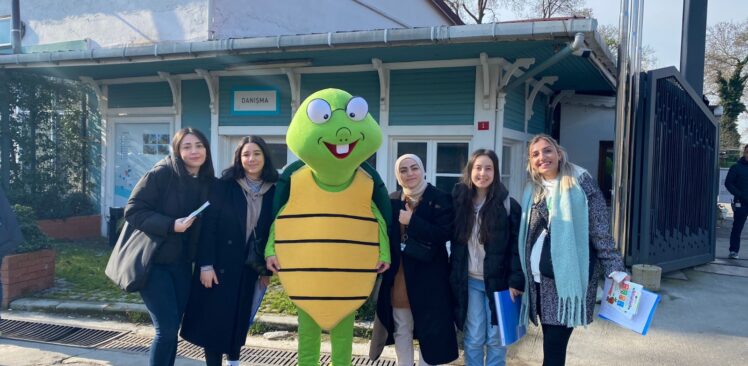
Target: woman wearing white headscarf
(414,300)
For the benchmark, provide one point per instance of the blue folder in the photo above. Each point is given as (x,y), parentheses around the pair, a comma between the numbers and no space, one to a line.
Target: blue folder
(640,321)
(257,296)
(507,312)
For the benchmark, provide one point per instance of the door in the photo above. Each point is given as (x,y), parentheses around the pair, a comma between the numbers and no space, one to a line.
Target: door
(137,148)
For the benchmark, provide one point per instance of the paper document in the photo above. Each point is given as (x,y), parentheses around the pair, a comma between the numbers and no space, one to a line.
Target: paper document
(624,296)
(640,321)
(198,211)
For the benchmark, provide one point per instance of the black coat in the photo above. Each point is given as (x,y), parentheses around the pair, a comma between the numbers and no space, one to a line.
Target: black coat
(501,265)
(161,197)
(427,282)
(218,318)
(736,181)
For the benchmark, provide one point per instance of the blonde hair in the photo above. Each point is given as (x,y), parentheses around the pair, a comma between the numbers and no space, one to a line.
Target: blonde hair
(566,170)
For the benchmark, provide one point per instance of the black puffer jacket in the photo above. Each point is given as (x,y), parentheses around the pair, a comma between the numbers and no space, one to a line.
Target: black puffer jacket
(737,180)
(161,197)
(501,266)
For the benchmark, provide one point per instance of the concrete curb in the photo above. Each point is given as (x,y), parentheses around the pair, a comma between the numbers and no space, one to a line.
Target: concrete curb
(268,322)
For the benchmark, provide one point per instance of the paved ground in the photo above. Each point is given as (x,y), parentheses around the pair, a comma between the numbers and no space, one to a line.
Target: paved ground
(702,320)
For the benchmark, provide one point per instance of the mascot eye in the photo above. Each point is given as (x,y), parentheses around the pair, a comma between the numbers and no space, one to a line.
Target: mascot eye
(357,108)
(318,111)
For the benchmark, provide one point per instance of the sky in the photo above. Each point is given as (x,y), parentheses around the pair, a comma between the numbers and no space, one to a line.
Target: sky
(662,22)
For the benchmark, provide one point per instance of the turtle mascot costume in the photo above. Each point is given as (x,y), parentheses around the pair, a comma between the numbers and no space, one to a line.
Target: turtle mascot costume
(329,237)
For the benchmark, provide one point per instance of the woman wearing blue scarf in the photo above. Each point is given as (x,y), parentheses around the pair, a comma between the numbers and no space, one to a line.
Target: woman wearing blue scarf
(564,244)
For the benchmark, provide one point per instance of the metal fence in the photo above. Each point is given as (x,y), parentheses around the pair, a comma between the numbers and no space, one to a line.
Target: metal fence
(675,175)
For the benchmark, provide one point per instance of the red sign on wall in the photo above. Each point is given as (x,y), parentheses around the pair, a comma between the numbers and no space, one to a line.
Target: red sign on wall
(482,125)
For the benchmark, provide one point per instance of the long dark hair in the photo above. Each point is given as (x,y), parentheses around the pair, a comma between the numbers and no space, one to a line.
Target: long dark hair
(464,209)
(236,170)
(206,170)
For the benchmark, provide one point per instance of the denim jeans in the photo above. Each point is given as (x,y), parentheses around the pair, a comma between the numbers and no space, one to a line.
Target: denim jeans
(482,339)
(165,295)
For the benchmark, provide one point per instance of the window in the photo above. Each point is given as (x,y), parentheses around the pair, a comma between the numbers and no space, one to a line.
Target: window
(451,158)
(448,157)
(277,150)
(155,144)
(279,154)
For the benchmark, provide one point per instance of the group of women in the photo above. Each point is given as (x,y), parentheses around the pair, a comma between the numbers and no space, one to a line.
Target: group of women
(549,249)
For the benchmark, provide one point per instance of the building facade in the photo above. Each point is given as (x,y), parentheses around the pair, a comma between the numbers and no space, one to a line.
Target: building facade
(439,91)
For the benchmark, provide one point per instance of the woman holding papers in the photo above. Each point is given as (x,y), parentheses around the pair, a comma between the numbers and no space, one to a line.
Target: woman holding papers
(230,269)
(160,204)
(564,240)
(414,300)
(484,256)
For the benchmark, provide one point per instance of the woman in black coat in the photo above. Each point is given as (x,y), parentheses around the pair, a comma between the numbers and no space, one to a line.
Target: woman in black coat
(484,257)
(235,232)
(159,205)
(414,300)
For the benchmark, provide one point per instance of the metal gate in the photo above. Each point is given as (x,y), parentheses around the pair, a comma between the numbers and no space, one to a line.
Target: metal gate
(674,175)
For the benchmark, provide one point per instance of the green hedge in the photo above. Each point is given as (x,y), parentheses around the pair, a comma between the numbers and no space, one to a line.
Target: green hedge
(34,239)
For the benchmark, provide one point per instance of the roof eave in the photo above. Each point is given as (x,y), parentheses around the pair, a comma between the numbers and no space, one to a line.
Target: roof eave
(539,30)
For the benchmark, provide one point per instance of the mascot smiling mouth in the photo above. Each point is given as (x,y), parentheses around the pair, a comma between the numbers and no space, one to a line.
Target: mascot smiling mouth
(341,151)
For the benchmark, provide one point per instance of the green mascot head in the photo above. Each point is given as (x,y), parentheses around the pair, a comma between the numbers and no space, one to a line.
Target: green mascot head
(333,133)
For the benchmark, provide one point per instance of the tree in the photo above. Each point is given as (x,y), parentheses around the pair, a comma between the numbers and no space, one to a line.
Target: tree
(47,145)
(475,11)
(610,35)
(725,77)
(545,9)
(730,90)
(726,45)
(482,11)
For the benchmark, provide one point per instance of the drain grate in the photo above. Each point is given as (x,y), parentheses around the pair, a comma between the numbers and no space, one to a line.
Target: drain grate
(129,342)
(122,341)
(57,334)
(249,355)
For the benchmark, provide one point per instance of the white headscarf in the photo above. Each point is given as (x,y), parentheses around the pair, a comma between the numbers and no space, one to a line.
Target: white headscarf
(415,193)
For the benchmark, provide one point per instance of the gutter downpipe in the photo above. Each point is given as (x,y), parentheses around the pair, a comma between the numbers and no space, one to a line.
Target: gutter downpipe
(15,31)
(576,45)
(627,100)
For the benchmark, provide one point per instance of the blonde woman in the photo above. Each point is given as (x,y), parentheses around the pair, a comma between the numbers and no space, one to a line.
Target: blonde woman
(564,243)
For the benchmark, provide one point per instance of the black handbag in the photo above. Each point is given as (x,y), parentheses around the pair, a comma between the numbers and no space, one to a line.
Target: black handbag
(254,258)
(132,258)
(416,249)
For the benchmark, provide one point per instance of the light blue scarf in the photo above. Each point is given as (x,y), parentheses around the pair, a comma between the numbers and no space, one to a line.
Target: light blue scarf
(569,251)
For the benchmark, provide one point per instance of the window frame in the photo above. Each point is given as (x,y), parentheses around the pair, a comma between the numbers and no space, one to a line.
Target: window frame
(431,152)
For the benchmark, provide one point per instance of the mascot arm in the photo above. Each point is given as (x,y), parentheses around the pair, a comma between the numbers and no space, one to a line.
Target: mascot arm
(384,241)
